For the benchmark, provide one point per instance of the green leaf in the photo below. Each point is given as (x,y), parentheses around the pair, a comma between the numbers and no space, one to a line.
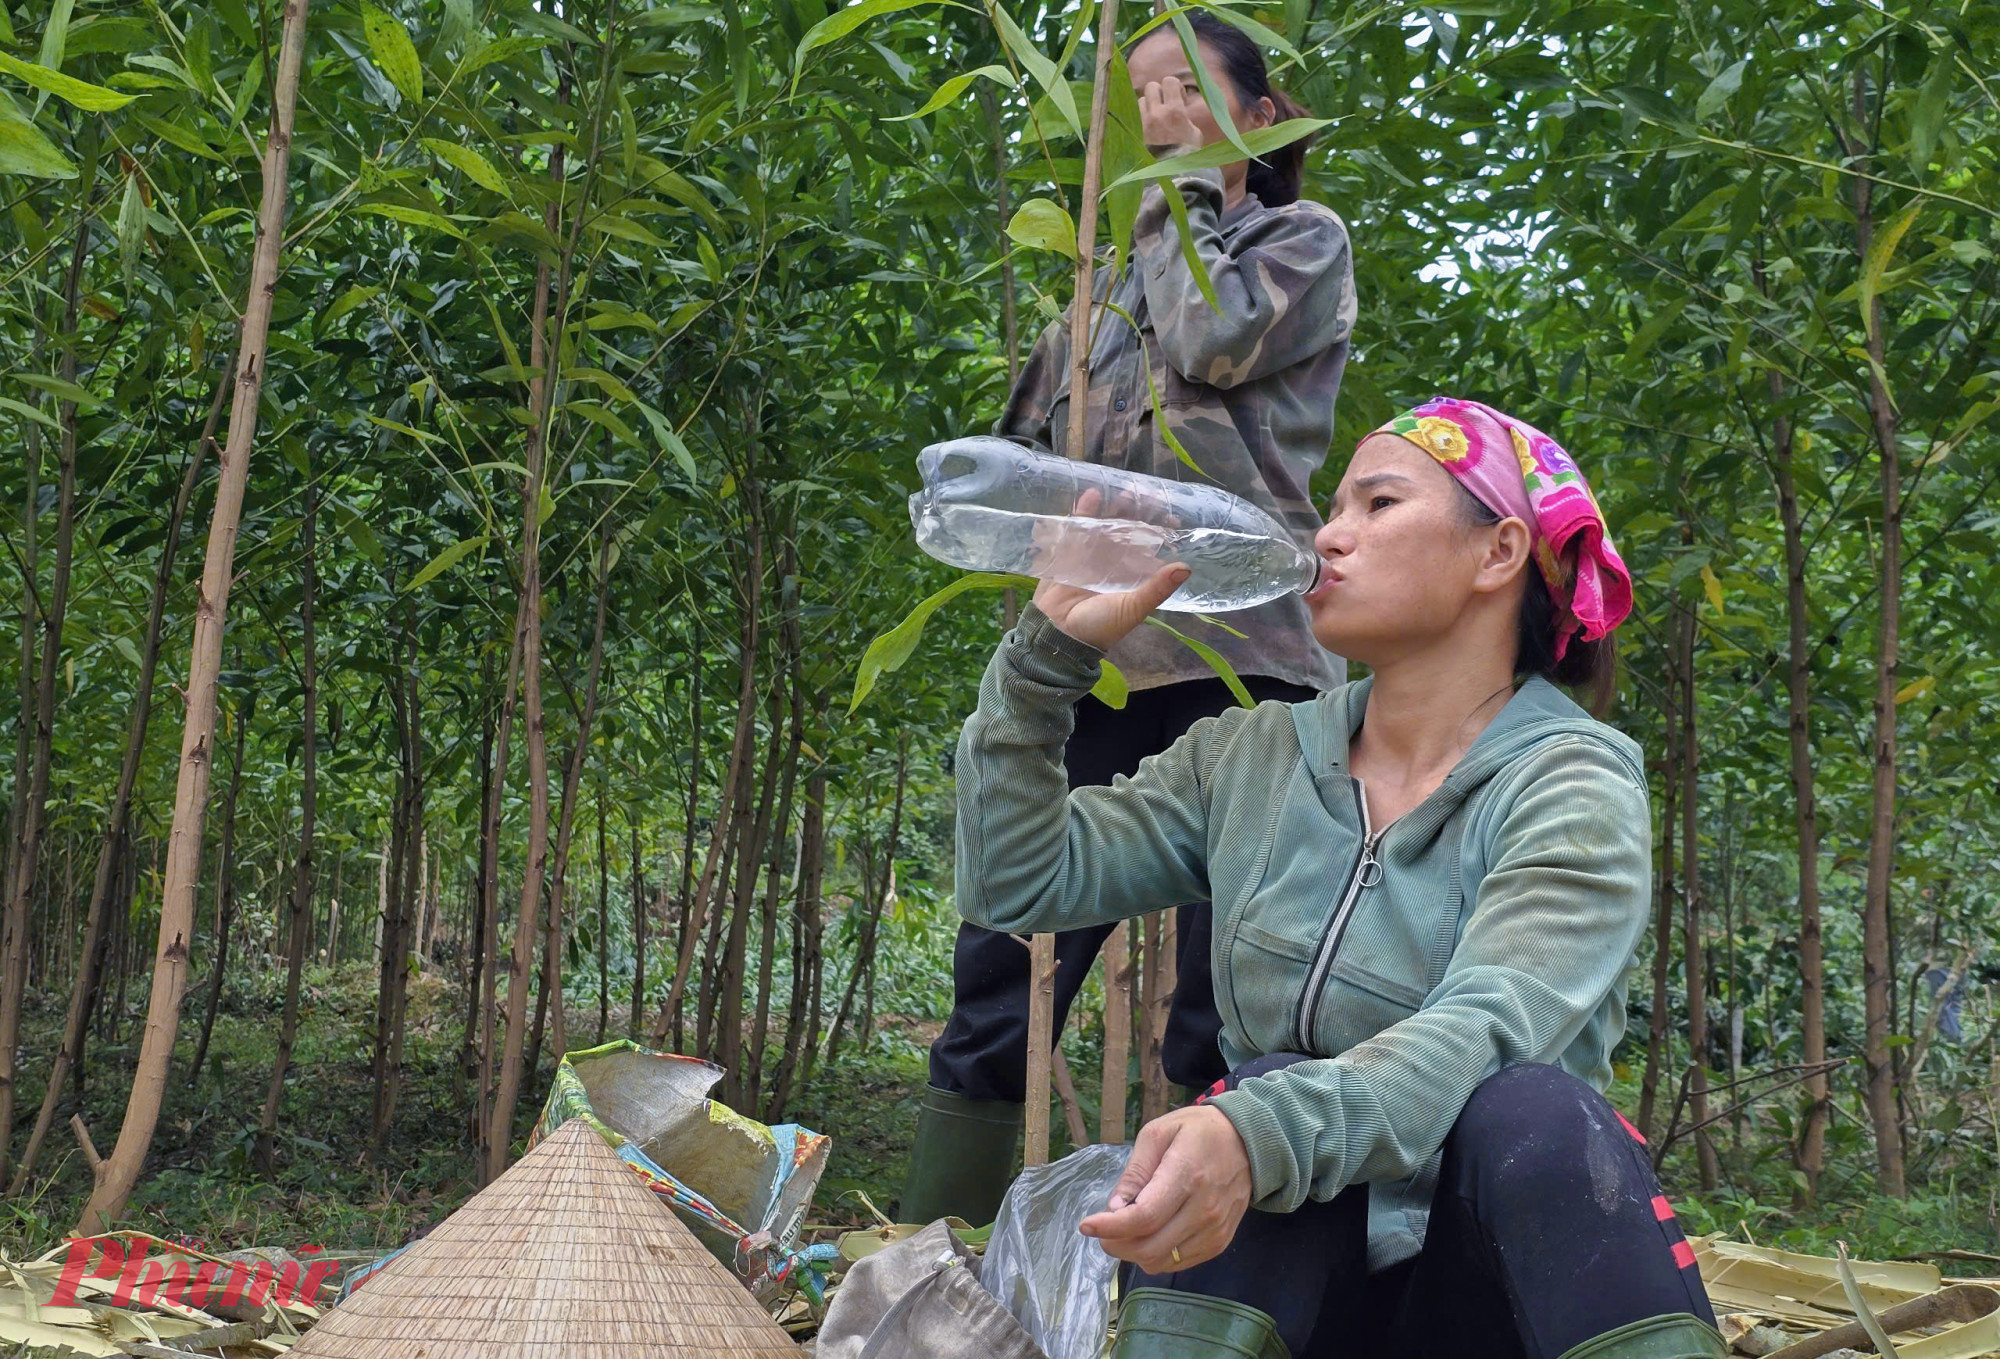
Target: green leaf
(55,35)
(1258,33)
(414,217)
(1213,94)
(67,391)
(1215,662)
(663,430)
(1656,325)
(444,561)
(842,22)
(131,227)
(25,151)
(1045,72)
(1880,251)
(1259,140)
(1111,689)
(21,408)
(1190,254)
(177,135)
(77,93)
(1712,587)
(468,162)
(389,43)
(603,381)
(1041,224)
(1932,100)
(345,303)
(357,531)
(949,92)
(1727,82)
(625,230)
(888,652)
(711,264)
(503,49)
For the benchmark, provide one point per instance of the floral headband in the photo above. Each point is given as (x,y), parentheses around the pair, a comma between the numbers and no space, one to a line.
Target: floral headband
(1519,472)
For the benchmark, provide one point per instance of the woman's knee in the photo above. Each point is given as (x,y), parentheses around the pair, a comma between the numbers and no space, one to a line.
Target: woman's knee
(1530,1105)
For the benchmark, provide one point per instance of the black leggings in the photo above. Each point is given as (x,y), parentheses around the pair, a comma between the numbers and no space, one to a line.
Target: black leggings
(983,1051)
(1547,1230)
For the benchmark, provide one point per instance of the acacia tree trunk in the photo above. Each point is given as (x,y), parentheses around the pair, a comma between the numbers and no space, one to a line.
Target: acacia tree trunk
(1691,943)
(142,1111)
(802,1018)
(541,394)
(603,918)
(793,664)
(638,935)
(695,911)
(489,887)
(1877,969)
(1659,1034)
(31,514)
(20,889)
(302,885)
(401,880)
(468,1048)
(1811,1148)
(878,892)
(225,891)
(693,806)
(572,785)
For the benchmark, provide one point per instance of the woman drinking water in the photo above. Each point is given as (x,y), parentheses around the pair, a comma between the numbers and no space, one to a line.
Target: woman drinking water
(1428,887)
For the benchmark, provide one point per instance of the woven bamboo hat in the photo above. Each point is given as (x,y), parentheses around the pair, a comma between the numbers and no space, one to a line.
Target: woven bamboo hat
(566,1254)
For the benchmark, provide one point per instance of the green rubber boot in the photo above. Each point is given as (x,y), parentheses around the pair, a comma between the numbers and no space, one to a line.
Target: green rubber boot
(1157,1323)
(962,1160)
(1678,1336)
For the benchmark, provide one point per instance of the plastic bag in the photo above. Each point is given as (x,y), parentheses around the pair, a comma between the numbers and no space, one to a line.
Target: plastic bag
(1056,1281)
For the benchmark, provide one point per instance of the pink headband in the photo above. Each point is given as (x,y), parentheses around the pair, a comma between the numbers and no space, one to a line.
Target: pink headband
(1518,472)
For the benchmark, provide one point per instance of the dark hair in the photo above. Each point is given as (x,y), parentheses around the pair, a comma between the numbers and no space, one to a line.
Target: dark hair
(1588,668)
(1276,176)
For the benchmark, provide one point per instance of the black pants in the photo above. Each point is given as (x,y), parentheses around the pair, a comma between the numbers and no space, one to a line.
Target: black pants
(983,1051)
(1548,1229)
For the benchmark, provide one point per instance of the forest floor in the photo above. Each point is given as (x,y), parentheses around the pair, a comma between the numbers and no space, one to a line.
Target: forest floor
(200,1184)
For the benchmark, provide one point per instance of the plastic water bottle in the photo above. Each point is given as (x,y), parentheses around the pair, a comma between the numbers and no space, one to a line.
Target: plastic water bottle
(992,505)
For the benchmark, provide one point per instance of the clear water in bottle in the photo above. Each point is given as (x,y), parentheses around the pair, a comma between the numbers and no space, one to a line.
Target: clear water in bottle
(992,505)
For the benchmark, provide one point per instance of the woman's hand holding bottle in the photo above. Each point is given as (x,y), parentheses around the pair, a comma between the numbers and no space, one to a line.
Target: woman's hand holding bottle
(1103,621)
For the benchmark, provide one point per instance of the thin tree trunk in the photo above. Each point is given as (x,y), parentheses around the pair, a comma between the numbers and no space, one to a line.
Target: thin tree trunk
(1042,949)
(302,886)
(540,397)
(118,821)
(792,647)
(638,935)
(1692,946)
(489,874)
(572,787)
(1117,1033)
(1877,966)
(1659,1035)
(682,938)
(603,917)
(411,889)
(31,515)
(877,893)
(802,1020)
(142,1110)
(696,910)
(27,846)
(468,1052)
(225,892)
(397,922)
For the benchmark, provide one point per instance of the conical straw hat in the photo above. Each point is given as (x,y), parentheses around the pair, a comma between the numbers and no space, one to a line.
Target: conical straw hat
(566,1254)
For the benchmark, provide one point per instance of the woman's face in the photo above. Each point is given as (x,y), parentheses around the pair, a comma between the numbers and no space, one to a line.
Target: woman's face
(1159,58)
(1402,560)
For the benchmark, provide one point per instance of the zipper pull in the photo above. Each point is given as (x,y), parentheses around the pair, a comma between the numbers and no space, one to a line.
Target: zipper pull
(1371,867)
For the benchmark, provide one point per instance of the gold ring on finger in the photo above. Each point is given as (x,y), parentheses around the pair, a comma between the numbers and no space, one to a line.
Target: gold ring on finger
(1174,1254)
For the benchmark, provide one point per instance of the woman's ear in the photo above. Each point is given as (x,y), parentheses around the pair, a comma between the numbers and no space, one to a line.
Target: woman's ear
(1267,111)
(1505,556)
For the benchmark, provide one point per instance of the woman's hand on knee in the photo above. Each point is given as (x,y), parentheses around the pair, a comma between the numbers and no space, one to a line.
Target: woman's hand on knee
(1183,1193)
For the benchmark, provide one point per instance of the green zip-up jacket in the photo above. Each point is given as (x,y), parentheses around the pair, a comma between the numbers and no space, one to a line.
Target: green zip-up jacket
(1492,924)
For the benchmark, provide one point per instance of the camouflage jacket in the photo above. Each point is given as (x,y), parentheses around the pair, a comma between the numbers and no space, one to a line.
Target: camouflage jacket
(1248,390)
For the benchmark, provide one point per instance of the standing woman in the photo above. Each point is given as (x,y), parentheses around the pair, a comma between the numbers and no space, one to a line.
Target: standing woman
(1248,388)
